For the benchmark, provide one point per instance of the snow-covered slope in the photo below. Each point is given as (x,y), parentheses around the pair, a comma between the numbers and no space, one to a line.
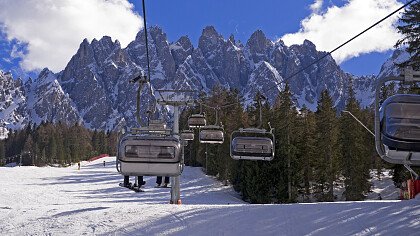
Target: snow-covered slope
(67,201)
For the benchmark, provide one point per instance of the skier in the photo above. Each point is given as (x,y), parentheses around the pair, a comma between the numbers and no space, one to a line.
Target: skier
(159,181)
(78,165)
(104,163)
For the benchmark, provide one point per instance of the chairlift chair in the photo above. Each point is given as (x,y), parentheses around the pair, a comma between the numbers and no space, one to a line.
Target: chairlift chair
(212,134)
(187,135)
(252,144)
(397,125)
(196,121)
(149,155)
(157,125)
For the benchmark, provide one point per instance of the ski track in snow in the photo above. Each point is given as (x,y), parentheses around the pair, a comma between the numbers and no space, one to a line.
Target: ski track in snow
(67,201)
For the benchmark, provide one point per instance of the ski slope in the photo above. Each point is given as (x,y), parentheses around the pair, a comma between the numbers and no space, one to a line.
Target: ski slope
(67,201)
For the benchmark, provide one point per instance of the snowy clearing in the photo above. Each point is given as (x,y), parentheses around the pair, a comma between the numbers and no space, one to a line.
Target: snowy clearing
(66,201)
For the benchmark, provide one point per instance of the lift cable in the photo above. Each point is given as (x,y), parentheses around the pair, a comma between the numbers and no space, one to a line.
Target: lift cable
(148,58)
(330,52)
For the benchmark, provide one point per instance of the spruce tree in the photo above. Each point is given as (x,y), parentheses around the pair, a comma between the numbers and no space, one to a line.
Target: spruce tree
(286,153)
(52,149)
(2,152)
(307,142)
(327,146)
(354,156)
(410,29)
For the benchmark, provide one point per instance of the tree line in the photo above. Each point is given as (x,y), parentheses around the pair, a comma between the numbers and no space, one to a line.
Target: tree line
(55,143)
(315,152)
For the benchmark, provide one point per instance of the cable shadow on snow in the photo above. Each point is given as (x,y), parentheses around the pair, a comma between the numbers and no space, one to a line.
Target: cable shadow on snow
(67,213)
(401,218)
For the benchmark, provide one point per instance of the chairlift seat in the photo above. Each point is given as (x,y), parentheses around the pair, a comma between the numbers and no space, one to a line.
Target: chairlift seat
(252,144)
(400,122)
(212,134)
(187,135)
(149,155)
(196,121)
(157,125)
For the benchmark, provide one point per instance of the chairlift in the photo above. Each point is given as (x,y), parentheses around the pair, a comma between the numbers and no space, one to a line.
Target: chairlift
(149,155)
(252,144)
(187,135)
(196,121)
(397,124)
(149,150)
(212,134)
(157,126)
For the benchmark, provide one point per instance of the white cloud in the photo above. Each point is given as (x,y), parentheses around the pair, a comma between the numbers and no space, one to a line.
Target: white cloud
(54,29)
(316,6)
(338,24)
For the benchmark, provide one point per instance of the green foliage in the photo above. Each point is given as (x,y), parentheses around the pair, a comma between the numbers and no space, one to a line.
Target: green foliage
(313,149)
(58,143)
(410,29)
(355,162)
(327,148)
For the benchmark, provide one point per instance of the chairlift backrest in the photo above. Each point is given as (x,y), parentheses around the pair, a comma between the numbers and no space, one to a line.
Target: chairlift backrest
(187,135)
(196,121)
(157,125)
(400,118)
(252,144)
(149,155)
(212,134)
(397,123)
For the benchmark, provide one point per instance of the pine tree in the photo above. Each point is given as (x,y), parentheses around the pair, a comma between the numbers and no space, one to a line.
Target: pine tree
(410,30)
(355,157)
(52,149)
(29,148)
(2,153)
(285,132)
(307,148)
(326,167)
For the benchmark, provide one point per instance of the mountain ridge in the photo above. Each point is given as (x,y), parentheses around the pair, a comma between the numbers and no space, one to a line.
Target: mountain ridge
(93,88)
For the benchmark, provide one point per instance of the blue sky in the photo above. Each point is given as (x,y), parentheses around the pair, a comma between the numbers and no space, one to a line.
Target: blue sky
(241,18)
(189,17)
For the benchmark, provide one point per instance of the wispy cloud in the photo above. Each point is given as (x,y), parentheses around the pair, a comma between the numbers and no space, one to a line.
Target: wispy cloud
(53,30)
(336,25)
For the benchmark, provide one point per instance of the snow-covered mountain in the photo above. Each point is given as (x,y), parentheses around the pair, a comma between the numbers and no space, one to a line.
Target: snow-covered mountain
(12,102)
(94,86)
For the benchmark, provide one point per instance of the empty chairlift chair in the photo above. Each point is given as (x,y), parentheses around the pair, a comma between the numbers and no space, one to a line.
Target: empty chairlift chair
(397,124)
(212,134)
(400,127)
(158,126)
(196,121)
(252,144)
(149,155)
(187,135)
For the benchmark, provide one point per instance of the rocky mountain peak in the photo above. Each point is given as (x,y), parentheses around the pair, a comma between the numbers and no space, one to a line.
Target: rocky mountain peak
(210,32)
(258,42)
(309,44)
(94,87)
(181,49)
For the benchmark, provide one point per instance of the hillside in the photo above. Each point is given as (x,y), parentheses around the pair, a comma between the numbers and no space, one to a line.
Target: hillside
(67,201)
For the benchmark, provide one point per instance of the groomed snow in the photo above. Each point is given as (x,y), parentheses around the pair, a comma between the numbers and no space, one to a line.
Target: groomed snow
(67,201)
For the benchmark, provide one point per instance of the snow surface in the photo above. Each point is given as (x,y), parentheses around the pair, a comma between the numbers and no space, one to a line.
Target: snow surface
(67,201)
